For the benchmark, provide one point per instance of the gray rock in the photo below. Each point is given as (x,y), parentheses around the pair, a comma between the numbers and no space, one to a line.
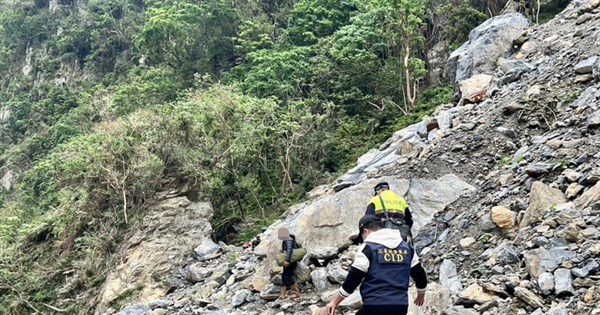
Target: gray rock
(561,311)
(221,274)
(594,119)
(425,238)
(509,133)
(583,272)
(513,71)
(335,273)
(240,297)
(537,169)
(139,309)
(546,283)
(554,257)
(326,253)
(585,98)
(562,282)
(206,249)
(449,216)
(508,255)
(197,273)
(319,278)
(459,310)
(586,66)
(538,311)
(445,118)
(449,277)
(520,154)
(442,238)
(160,304)
(498,270)
(488,41)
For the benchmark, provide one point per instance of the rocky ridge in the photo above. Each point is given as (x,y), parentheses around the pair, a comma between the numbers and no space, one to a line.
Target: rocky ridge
(517,233)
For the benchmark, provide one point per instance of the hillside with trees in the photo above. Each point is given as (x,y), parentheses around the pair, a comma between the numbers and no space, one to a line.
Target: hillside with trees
(248,104)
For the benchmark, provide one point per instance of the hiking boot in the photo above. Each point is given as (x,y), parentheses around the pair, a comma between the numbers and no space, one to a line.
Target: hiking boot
(296,290)
(282,294)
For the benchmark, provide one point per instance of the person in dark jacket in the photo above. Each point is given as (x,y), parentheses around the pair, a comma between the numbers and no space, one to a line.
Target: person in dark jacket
(288,243)
(396,207)
(384,265)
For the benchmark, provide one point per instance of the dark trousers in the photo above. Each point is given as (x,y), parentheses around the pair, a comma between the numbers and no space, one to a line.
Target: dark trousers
(287,278)
(383,310)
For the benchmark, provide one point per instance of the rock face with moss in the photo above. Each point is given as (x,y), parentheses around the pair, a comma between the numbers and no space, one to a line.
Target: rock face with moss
(162,242)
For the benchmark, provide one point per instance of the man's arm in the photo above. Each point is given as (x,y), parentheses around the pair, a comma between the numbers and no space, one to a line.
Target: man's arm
(370,209)
(289,246)
(358,271)
(417,273)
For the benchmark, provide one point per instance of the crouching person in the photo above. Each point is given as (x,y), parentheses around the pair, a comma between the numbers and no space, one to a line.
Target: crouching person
(384,265)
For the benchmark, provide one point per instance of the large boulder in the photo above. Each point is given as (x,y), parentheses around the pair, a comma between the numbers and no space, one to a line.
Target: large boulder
(167,234)
(541,198)
(331,221)
(487,42)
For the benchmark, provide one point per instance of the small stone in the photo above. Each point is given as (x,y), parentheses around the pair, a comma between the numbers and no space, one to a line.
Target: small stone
(585,270)
(546,283)
(476,294)
(571,232)
(503,217)
(467,242)
(551,223)
(499,270)
(585,66)
(529,297)
(506,179)
(591,232)
(562,282)
(589,295)
(594,119)
(572,175)
(574,190)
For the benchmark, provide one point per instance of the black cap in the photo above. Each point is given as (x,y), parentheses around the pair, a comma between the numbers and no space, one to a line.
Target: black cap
(364,221)
(381,186)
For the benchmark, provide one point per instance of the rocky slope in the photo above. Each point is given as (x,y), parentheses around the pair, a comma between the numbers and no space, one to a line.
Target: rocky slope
(505,186)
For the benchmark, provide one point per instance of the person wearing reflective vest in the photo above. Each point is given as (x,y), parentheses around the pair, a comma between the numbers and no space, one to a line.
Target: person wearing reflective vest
(392,209)
(384,265)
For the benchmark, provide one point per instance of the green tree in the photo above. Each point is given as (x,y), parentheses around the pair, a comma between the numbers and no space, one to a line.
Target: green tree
(310,20)
(189,37)
(403,23)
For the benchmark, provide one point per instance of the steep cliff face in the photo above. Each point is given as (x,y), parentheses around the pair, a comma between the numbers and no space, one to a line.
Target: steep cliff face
(505,187)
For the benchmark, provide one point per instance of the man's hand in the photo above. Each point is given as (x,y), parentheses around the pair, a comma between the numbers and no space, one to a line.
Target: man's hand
(330,308)
(420,299)
(286,264)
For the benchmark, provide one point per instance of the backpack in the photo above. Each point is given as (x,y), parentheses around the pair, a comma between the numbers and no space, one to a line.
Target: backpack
(396,224)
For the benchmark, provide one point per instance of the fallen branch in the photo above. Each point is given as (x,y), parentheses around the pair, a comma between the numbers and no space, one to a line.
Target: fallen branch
(54,308)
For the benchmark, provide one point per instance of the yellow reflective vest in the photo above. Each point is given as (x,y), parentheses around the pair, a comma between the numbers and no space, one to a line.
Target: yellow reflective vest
(393,203)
